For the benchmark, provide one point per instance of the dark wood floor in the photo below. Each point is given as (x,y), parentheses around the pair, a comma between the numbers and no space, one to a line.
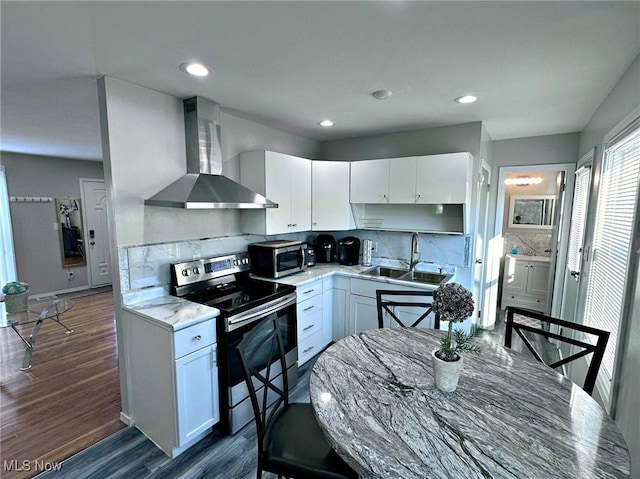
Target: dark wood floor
(70,398)
(129,454)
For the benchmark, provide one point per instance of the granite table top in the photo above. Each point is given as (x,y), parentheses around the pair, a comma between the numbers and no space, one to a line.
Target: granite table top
(510,417)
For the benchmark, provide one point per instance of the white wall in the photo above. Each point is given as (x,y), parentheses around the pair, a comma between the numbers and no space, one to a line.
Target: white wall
(144,151)
(622,100)
(428,141)
(36,243)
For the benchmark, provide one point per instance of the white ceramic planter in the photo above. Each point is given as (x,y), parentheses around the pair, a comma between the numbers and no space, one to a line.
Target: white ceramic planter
(445,373)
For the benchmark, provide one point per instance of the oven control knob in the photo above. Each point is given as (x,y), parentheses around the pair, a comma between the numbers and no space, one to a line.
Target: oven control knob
(196,270)
(185,272)
(235,262)
(245,260)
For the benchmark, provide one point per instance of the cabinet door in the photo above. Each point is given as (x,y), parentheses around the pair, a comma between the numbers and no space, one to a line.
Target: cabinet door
(402,180)
(330,207)
(197,393)
(538,278)
(340,312)
(363,314)
(515,276)
(442,178)
(299,171)
(369,181)
(278,189)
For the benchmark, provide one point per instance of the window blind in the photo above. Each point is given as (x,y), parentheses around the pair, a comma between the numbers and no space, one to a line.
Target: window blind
(578,217)
(612,242)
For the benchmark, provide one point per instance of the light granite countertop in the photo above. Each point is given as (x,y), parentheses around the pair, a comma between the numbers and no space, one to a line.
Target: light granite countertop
(323,270)
(169,312)
(510,417)
(176,313)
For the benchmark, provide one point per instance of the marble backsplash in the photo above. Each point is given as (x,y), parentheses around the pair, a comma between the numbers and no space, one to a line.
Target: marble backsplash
(532,244)
(147,266)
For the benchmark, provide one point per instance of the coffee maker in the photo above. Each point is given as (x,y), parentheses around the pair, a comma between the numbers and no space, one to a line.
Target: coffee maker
(348,251)
(325,248)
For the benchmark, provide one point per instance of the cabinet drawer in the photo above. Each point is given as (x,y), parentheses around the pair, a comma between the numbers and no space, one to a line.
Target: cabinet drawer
(193,338)
(309,324)
(309,290)
(308,348)
(310,306)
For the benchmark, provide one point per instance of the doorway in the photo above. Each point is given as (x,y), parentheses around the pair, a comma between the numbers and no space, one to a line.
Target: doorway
(531,240)
(94,199)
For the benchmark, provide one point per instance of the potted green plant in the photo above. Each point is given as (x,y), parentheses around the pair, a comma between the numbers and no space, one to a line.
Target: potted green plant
(15,296)
(453,303)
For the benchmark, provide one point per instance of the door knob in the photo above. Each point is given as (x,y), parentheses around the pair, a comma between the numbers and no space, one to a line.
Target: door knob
(478,260)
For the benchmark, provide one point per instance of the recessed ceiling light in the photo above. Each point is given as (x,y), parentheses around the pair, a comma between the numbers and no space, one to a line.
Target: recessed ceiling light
(381,94)
(325,123)
(195,69)
(466,99)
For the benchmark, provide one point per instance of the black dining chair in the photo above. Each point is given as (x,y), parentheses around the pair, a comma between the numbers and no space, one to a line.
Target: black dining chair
(290,442)
(523,321)
(387,300)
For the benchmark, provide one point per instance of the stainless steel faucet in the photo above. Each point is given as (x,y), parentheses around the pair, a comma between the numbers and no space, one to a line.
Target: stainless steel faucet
(415,250)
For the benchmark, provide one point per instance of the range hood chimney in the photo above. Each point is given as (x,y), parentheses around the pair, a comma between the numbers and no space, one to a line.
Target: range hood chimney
(203,187)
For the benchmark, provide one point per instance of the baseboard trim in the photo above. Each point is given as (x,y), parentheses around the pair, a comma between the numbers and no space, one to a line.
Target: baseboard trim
(126,419)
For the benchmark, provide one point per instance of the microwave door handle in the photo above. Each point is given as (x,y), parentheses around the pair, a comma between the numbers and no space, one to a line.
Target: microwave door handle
(304,257)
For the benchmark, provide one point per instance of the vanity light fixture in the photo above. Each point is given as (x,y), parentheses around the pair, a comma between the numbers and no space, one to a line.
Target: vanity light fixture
(465,99)
(195,69)
(325,123)
(523,181)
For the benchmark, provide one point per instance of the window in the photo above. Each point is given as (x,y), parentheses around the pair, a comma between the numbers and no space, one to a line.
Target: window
(578,219)
(612,242)
(7,259)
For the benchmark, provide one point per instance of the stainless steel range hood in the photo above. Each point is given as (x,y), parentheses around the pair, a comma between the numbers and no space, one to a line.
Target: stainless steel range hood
(203,186)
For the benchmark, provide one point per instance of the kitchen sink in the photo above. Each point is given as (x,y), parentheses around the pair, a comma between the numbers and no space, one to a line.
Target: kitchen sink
(407,275)
(425,277)
(386,272)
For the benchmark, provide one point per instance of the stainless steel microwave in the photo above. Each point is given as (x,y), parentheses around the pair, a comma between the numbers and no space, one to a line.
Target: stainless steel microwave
(274,259)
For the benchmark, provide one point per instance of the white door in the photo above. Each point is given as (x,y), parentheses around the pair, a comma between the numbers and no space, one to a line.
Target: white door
(575,248)
(299,170)
(330,208)
(483,213)
(402,180)
(278,189)
(96,224)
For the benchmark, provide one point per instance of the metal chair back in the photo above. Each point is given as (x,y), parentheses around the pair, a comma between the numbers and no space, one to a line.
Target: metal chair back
(387,301)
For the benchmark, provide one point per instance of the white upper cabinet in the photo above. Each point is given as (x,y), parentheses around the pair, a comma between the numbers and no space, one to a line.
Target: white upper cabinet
(370,181)
(330,207)
(284,179)
(402,180)
(433,179)
(444,179)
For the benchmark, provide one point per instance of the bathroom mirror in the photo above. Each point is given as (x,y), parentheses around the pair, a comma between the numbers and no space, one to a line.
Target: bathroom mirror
(70,231)
(533,211)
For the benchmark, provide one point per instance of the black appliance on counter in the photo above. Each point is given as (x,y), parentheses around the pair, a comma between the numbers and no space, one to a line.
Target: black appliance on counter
(224,283)
(348,251)
(325,248)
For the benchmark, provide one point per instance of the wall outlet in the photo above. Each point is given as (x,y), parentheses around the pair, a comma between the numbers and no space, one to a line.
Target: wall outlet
(374,246)
(70,275)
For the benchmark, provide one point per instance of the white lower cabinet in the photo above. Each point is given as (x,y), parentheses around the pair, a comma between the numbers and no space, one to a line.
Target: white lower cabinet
(525,282)
(312,337)
(363,308)
(174,382)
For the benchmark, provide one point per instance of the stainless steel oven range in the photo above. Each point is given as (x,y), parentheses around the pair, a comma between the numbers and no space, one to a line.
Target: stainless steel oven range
(224,283)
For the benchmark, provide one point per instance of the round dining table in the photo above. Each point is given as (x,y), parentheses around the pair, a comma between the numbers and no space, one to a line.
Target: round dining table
(510,417)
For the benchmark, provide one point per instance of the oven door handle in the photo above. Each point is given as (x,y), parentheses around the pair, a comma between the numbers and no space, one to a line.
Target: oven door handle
(241,319)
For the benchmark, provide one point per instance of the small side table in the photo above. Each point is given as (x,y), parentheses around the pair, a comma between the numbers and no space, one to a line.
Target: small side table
(38,310)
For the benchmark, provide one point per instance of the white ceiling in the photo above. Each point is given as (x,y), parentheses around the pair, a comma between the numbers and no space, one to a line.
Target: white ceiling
(538,67)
